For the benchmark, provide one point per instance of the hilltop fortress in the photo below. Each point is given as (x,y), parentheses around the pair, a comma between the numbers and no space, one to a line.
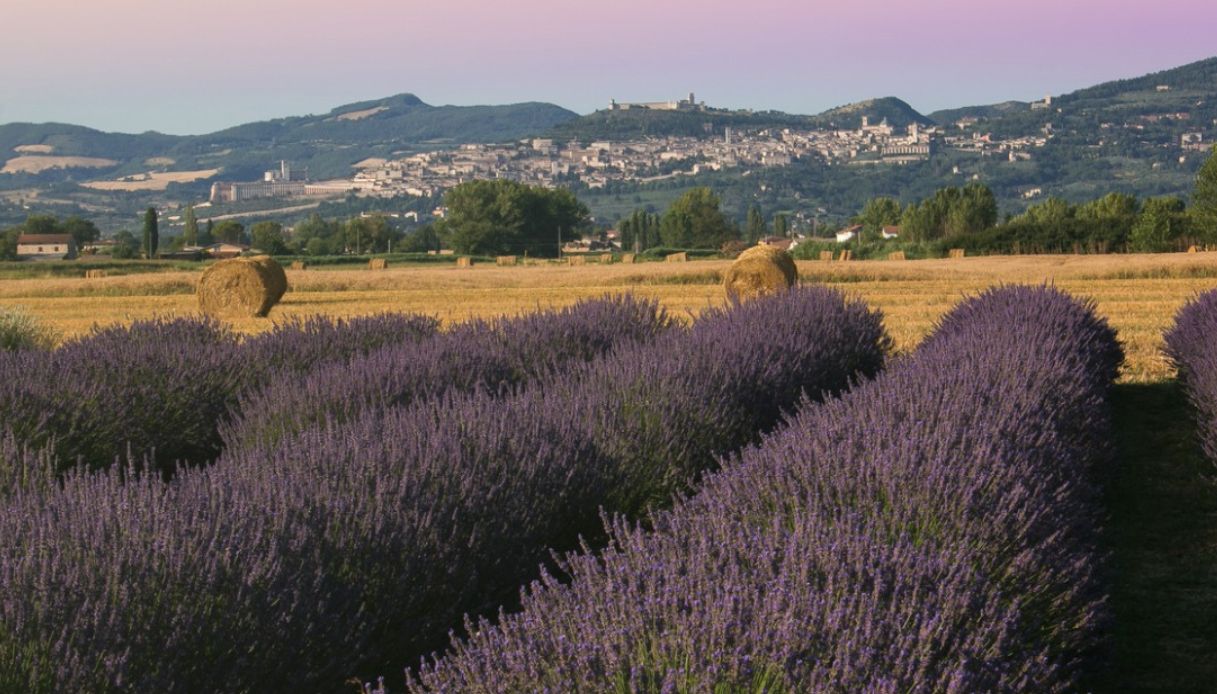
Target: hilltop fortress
(690,104)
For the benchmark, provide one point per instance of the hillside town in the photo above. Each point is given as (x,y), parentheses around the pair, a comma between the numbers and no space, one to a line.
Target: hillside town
(548,162)
(595,164)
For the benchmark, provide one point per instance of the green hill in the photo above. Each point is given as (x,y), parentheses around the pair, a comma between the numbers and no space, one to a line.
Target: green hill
(896,112)
(328,144)
(638,123)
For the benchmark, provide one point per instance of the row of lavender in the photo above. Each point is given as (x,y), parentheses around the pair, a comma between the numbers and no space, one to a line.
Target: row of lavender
(162,392)
(933,530)
(1192,346)
(351,538)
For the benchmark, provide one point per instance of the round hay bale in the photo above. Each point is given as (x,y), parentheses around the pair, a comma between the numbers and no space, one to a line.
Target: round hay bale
(241,287)
(759,271)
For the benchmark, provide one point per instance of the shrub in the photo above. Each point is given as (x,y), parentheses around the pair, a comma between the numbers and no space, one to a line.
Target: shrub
(933,530)
(20,330)
(155,388)
(23,470)
(1191,345)
(478,354)
(160,389)
(354,545)
(298,345)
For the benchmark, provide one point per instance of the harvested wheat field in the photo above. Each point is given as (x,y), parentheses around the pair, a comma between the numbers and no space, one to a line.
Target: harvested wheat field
(1139,294)
(35,164)
(153,180)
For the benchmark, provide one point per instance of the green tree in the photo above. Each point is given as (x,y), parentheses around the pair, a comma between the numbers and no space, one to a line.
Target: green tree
(1051,212)
(780,228)
(420,240)
(370,234)
(126,247)
(151,233)
(756,228)
(208,236)
(81,230)
(1204,200)
(8,243)
(1160,224)
(506,217)
(1109,207)
(973,211)
(694,220)
(876,214)
(41,224)
(190,232)
(228,231)
(268,237)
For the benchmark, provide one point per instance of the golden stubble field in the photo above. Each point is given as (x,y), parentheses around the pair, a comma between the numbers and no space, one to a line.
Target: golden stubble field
(1138,294)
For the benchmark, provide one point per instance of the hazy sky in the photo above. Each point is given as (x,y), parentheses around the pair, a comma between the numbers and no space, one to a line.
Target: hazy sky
(187,66)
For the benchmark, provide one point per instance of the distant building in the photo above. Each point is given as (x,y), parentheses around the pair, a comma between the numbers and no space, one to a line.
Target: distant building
(46,247)
(849,233)
(225,250)
(890,232)
(1193,141)
(689,104)
(905,152)
(779,242)
(276,183)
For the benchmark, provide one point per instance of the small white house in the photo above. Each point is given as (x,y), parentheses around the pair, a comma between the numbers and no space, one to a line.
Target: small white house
(849,233)
(890,232)
(46,247)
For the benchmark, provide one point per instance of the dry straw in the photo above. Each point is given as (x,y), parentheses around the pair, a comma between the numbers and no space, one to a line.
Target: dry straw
(576,259)
(505,260)
(606,259)
(299,265)
(464,261)
(378,264)
(677,258)
(241,287)
(826,256)
(627,258)
(94,274)
(846,255)
(957,253)
(760,271)
(897,255)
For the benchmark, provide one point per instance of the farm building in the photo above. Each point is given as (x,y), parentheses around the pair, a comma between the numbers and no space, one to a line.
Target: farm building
(225,250)
(46,247)
(781,243)
(849,233)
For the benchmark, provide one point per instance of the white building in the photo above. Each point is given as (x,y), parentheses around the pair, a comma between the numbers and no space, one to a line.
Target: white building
(46,247)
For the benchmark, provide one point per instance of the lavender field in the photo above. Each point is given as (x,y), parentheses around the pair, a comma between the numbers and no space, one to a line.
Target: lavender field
(597,498)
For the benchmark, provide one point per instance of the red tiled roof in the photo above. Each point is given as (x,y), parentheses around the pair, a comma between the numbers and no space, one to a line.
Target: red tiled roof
(45,239)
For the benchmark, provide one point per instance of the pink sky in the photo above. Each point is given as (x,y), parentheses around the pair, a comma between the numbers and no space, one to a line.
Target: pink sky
(189,66)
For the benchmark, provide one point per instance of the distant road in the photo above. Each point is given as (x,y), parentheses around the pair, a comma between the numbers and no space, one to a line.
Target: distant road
(262,213)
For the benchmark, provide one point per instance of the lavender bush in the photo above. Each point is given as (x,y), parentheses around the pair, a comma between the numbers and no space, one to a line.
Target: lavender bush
(298,345)
(478,354)
(352,547)
(23,469)
(1191,345)
(156,388)
(159,389)
(933,530)
(20,330)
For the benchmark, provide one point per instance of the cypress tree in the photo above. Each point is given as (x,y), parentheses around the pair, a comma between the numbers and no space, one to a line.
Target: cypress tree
(151,233)
(190,235)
